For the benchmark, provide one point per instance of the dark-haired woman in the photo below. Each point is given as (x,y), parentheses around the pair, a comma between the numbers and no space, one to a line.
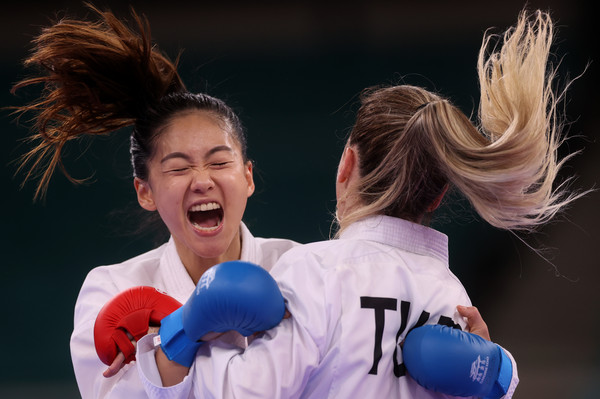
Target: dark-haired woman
(189,159)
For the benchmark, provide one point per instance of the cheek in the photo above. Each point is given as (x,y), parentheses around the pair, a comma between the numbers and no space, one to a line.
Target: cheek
(236,188)
(169,194)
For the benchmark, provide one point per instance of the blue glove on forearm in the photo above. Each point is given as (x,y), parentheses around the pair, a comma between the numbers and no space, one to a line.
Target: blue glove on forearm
(234,295)
(454,362)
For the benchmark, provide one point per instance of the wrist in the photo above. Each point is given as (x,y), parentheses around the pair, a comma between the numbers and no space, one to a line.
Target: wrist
(173,341)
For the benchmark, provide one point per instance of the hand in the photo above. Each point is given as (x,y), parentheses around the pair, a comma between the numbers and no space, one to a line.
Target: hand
(475,323)
(125,319)
(233,295)
(458,363)
(119,360)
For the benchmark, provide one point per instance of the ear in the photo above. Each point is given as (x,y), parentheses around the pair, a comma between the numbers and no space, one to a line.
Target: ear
(144,194)
(347,165)
(436,202)
(249,177)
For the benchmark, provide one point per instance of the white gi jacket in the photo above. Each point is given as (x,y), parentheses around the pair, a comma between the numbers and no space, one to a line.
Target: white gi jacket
(352,300)
(160,268)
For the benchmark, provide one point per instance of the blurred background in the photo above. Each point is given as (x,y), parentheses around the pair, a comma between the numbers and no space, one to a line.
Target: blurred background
(293,71)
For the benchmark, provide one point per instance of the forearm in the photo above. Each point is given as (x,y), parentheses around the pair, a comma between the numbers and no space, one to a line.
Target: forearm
(148,360)
(171,373)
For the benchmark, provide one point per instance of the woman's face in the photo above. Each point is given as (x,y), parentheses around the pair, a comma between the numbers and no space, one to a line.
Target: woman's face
(199,184)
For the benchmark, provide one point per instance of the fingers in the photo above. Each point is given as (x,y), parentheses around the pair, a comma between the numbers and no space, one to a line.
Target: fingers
(115,366)
(475,323)
(119,361)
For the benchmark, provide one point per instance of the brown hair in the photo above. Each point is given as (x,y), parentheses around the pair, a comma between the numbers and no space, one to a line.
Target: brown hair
(99,77)
(412,143)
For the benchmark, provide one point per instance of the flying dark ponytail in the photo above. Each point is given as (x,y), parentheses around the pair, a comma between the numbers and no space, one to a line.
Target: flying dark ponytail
(99,77)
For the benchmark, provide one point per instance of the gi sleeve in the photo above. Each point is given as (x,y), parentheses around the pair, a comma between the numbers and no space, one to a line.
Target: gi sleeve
(95,292)
(277,364)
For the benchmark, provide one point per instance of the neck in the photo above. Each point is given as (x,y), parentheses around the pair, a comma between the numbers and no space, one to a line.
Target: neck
(197,265)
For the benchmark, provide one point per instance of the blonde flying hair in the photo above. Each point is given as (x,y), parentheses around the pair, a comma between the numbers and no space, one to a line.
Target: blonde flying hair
(412,143)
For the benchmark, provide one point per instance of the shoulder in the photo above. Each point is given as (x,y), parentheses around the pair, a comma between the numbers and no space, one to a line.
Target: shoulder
(134,271)
(104,282)
(276,246)
(264,251)
(329,260)
(270,250)
(313,260)
(329,253)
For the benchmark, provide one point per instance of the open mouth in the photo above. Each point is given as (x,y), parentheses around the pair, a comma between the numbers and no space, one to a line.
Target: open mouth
(206,217)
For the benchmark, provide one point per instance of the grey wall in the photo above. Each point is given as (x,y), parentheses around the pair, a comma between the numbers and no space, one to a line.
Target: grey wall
(293,71)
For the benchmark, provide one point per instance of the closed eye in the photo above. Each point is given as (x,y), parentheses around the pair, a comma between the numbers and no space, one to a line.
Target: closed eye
(220,164)
(176,170)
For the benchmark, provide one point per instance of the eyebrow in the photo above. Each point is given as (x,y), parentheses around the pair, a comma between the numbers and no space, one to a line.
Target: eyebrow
(186,157)
(218,149)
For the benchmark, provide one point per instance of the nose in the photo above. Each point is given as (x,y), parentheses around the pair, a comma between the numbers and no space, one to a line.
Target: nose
(201,181)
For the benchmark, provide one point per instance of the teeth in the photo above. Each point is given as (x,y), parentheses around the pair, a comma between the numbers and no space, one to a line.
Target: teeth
(198,227)
(205,207)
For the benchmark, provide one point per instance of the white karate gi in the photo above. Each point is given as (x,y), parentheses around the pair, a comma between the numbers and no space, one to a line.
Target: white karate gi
(160,268)
(352,300)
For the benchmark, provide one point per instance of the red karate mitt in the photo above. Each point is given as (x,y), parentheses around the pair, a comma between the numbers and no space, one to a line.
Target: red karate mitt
(132,311)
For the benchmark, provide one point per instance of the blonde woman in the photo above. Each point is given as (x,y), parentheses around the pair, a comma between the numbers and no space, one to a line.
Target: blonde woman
(354,299)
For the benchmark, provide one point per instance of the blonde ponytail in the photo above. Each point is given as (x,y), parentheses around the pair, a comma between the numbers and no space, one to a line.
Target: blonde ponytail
(509,179)
(412,143)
